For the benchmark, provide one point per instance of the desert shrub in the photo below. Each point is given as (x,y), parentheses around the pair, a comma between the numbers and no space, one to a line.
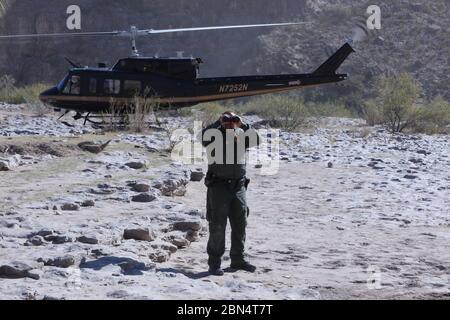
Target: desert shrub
(10,97)
(208,112)
(142,115)
(281,111)
(185,112)
(396,108)
(365,132)
(112,119)
(372,113)
(7,82)
(433,118)
(13,95)
(7,88)
(397,96)
(329,109)
(135,117)
(139,113)
(29,94)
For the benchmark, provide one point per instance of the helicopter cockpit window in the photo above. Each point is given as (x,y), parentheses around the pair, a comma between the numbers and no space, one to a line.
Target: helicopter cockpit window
(111,86)
(63,83)
(132,87)
(73,85)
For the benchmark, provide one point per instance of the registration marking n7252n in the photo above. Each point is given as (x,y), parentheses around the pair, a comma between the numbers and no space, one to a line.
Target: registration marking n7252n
(231,88)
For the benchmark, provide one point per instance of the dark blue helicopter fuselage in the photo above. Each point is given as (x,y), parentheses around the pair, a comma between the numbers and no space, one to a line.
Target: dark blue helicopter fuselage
(173,82)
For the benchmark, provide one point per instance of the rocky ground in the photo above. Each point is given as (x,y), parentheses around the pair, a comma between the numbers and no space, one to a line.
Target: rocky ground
(353,212)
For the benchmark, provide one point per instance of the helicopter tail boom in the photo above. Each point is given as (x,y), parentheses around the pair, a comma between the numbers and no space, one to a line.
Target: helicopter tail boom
(335,61)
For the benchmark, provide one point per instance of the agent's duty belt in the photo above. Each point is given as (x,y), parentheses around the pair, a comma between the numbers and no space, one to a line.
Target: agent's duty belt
(233,184)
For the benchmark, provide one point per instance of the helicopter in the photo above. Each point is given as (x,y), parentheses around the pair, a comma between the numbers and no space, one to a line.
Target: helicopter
(174,82)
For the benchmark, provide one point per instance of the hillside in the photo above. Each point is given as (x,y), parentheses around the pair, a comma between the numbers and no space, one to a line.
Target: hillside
(414,39)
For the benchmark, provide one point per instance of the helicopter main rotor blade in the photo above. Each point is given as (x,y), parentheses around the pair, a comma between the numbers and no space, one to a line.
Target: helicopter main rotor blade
(151,31)
(137,32)
(73,34)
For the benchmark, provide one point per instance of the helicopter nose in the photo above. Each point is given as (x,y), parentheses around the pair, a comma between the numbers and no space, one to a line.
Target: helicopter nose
(48,96)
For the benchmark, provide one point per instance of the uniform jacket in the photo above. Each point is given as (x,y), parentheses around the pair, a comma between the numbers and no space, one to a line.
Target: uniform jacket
(229,167)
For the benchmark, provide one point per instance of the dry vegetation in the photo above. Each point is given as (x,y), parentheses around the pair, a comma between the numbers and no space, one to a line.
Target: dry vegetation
(396,106)
(280,110)
(135,117)
(143,115)
(11,94)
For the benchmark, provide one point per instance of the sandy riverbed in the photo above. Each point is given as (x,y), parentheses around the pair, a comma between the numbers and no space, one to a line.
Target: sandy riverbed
(352,213)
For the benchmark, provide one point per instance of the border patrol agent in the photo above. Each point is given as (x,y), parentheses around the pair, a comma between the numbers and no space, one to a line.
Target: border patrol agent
(227,187)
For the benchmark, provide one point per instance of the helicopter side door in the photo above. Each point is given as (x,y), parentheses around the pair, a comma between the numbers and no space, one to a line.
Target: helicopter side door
(91,90)
(131,88)
(109,89)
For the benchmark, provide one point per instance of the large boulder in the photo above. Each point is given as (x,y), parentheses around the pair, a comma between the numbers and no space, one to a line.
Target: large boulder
(180,242)
(70,207)
(159,256)
(187,225)
(172,187)
(59,262)
(4,166)
(10,163)
(140,187)
(87,240)
(44,232)
(35,241)
(197,176)
(143,198)
(93,147)
(57,239)
(88,203)
(17,270)
(192,236)
(137,165)
(142,234)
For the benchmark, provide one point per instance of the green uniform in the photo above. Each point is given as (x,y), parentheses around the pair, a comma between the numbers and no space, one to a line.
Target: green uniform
(226,199)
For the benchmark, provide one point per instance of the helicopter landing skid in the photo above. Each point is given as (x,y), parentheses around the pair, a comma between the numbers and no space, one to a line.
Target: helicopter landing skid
(106,121)
(63,115)
(116,121)
(89,117)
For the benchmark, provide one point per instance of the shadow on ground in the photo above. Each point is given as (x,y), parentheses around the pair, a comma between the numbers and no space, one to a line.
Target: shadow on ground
(127,265)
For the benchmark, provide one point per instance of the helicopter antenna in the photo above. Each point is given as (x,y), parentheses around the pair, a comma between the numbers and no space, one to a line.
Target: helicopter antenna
(73,64)
(134,33)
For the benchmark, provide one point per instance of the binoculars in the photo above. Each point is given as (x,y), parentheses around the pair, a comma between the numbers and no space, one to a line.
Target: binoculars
(233,119)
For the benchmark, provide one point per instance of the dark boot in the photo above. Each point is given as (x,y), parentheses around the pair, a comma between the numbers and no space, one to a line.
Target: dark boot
(244,265)
(216,271)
